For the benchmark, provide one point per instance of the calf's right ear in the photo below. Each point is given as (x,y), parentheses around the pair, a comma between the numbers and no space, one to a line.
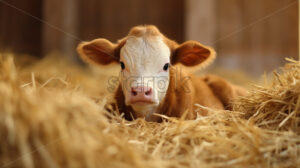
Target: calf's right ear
(99,52)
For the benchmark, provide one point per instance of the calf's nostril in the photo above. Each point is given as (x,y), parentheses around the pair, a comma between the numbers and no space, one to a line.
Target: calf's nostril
(133,92)
(148,92)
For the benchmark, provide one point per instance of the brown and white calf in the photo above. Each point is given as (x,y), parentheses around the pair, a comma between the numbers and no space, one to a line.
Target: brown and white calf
(153,76)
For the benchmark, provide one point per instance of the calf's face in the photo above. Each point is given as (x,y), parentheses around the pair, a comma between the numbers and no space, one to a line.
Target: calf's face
(145,70)
(145,56)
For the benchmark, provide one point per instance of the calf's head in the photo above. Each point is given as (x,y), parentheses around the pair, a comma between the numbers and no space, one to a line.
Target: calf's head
(145,57)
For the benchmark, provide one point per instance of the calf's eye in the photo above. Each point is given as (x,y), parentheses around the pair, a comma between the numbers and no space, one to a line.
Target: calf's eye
(166,67)
(122,65)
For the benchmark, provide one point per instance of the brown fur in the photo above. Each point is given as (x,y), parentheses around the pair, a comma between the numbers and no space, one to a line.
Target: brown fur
(184,90)
(149,30)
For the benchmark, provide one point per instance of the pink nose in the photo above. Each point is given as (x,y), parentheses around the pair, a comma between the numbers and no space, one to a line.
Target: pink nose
(141,94)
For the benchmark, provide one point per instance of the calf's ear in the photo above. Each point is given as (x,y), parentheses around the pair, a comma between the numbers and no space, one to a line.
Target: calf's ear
(98,51)
(193,54)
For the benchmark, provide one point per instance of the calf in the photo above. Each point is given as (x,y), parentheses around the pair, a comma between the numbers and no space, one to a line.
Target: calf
(154,77)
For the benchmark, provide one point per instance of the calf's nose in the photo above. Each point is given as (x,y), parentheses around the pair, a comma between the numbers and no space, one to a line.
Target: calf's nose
(141,94)
(141,91)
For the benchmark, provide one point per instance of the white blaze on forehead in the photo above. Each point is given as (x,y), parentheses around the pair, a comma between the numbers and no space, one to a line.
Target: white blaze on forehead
(145,56)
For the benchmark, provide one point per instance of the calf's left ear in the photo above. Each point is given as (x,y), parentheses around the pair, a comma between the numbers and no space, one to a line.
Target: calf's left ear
(192,54)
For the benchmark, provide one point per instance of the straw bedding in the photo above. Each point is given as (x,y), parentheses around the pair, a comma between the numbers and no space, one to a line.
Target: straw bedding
(52,115)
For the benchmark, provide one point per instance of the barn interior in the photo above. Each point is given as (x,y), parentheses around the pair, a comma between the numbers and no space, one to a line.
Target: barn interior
(53,106)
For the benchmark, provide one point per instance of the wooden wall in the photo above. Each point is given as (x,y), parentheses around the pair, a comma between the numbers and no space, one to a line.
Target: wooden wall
(251,35)
(18,32)
(61,31)
(254,35)
(112,19)
(61,24)
(87,20)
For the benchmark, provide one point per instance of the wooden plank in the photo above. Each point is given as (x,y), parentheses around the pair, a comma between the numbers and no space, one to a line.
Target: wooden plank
(168,15)
(229,41)
(20,32)
(60,33)
(113,19)
(259,34)
(253,55)
(201,21)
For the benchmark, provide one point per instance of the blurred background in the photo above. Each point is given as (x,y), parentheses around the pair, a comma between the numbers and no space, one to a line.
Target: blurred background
(251,35)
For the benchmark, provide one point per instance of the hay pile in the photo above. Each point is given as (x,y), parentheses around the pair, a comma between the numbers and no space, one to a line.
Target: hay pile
(279,105)
(52,115)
